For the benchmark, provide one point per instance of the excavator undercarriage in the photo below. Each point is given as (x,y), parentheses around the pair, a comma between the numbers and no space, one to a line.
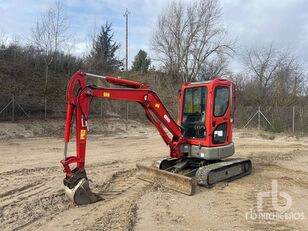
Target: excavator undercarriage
(183,175)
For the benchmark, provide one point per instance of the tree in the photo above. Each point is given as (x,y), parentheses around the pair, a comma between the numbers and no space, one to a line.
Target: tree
(189,37)
(3,39)
(103,53)
(141,62)
(263,63)
(216,67)
(276,75)
(47,36)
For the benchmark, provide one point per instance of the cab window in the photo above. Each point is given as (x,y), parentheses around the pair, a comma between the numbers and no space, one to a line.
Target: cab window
(194,112)
(221,101)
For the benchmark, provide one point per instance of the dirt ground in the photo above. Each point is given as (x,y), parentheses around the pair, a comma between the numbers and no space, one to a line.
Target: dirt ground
(32,195)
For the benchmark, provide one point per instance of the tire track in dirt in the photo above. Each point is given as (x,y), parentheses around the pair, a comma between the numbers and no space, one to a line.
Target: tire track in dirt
(32,199)
(116,185)
(259,223)
(20,190)
(286,178)
(26,211)
(120,194)
(31,209)
(33,190)
(27,171)
(25,205)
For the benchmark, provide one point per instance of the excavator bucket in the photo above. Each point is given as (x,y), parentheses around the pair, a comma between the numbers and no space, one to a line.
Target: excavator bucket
(81,193)
(173,181)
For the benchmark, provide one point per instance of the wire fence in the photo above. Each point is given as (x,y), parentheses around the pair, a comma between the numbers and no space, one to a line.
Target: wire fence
(18,108)
(277,119)
(289,119)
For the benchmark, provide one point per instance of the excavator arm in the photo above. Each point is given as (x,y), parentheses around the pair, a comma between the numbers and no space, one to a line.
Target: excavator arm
(78,97)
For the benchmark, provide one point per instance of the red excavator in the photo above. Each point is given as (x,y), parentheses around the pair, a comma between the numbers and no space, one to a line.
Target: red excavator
(200,143)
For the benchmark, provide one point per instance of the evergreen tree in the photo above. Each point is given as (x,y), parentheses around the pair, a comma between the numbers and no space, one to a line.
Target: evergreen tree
(141,62)
(104,50)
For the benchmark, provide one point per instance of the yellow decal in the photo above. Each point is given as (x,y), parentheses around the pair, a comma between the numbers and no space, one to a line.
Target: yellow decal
(157,105)
(106,94)
(83,134)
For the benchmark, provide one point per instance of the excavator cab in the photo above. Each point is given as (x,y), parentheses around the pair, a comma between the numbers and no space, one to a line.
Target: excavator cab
(207,110)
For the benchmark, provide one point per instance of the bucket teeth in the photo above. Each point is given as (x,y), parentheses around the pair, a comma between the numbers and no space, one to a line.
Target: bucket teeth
(81,193)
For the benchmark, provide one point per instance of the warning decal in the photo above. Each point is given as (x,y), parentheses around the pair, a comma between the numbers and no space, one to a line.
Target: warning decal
(106,94)
(83,134)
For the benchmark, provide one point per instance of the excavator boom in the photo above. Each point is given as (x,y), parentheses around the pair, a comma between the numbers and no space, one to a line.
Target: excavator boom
(76,181)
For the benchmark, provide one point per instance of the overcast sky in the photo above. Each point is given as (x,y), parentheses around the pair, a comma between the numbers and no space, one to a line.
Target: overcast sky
(250,22)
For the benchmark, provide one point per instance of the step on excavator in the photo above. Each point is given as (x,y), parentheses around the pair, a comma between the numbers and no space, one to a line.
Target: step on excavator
(200,141)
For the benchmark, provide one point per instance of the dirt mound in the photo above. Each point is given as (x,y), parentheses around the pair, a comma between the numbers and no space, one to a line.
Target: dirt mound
(55,128)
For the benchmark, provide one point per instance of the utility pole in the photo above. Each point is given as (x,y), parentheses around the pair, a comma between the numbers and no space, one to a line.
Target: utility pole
(126,39)
(126,57)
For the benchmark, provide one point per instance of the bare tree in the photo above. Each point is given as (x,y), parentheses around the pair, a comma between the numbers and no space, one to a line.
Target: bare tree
(48,35)
(276,75)
(189,37)
(3,38)
(263,63)
(215,67)
(289,83)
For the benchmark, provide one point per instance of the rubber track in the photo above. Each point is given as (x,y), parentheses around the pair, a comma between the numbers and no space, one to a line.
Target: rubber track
(203,173)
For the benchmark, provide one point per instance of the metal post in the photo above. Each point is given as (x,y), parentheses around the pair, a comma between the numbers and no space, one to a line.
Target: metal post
(266,119)
(65,150)
(45,107)
(5,108)
(293,120)
(22,109)
(101,109)
(127,108)
(13,108)
(251,119)
(259,118)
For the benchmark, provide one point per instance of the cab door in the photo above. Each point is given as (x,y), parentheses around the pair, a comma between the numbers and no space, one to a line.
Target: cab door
(221,116)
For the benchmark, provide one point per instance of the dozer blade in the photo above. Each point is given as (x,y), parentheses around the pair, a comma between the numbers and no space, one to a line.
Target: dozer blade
(81,193)
(177,182)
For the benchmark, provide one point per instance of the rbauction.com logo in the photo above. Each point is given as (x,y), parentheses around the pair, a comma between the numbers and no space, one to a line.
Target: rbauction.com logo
(281,211)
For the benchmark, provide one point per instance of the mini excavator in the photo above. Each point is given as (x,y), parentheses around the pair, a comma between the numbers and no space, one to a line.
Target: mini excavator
(200,141)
